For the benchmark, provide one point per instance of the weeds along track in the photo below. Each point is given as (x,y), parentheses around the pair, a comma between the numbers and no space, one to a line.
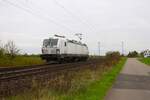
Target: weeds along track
(14,73)
(18,80)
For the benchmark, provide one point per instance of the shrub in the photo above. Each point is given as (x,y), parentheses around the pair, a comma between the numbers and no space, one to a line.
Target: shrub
(113,55)
(133,54)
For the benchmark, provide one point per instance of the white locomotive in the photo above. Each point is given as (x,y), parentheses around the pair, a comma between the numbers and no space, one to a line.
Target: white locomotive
(61,49)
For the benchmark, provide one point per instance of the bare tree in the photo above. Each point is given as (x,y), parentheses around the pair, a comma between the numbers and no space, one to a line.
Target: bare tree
(11,49)
(1,49)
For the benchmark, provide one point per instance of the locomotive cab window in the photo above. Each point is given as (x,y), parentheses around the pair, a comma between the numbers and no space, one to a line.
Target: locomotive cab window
(46,42)
(50,42)
(53,42)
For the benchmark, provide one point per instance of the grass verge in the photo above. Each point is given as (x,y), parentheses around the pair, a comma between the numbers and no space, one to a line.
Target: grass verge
(20,61)
(98,89)
(145,60)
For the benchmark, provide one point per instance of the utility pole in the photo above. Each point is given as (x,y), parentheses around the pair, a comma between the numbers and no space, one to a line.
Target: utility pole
(99,48)
(122,47)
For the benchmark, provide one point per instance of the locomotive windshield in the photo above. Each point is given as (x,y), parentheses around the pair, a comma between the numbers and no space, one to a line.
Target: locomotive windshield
(50,42)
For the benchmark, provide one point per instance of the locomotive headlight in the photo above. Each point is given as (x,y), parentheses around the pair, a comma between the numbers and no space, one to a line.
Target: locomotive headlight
(57,51)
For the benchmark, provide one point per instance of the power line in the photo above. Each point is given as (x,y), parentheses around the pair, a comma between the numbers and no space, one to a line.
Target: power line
(28,10)
(68,11)
(72,14)
(41,9)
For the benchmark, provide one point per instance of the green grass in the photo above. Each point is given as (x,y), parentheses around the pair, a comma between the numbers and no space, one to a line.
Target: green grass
(98,89)
(20,61)
(145,60)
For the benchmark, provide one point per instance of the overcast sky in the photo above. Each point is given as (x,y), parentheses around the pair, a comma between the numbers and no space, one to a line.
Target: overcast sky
(28,22)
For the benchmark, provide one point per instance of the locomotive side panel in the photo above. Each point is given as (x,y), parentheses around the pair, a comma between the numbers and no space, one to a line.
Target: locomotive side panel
(78,50)
(75,49)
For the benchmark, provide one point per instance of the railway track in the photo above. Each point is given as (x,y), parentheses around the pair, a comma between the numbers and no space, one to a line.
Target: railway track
(14,73)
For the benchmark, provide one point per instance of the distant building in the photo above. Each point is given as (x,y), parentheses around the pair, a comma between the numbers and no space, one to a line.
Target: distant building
(147,53)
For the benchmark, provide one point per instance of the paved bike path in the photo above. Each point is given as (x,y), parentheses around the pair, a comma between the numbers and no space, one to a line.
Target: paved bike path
(133,83)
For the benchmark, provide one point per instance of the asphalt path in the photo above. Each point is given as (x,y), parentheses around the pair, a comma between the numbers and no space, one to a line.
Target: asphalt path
(133,83)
